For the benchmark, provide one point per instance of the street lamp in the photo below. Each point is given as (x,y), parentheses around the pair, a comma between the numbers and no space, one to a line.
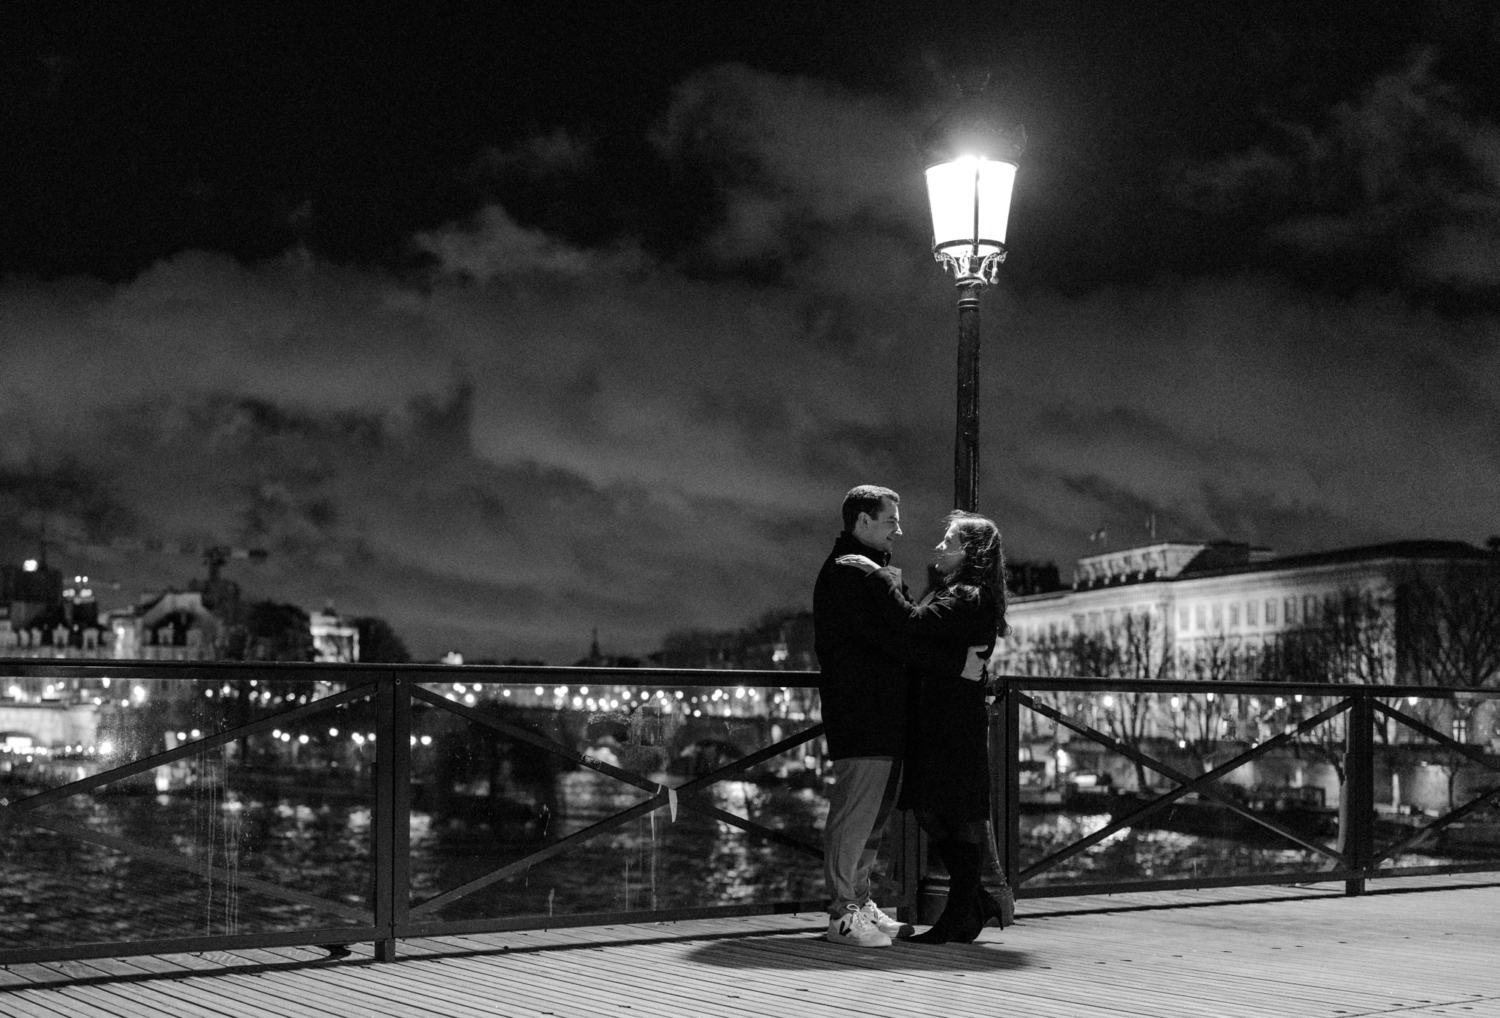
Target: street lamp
(971,174)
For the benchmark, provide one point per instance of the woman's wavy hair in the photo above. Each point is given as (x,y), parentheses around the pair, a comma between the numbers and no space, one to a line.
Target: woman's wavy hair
(983,568)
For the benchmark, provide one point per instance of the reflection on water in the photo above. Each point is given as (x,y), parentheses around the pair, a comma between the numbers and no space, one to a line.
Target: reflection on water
(55,888)
(1146,854)
(650,862)
(1149,854)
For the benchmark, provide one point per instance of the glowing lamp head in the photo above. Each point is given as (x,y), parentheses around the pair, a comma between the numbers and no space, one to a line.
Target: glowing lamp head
(29,565)
(970,201)
(971,176)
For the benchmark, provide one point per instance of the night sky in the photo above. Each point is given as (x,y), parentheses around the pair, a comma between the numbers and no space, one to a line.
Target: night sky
(508,320)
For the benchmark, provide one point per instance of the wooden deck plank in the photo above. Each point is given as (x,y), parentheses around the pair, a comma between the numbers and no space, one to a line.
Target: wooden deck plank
(494,980)
(230,1004)
(477,997)
(149,1000)
(307,994)
(647,998)
(1268,955)
(41,1004)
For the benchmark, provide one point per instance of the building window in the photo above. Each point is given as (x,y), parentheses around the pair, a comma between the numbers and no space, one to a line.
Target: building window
(1250,613)
(1289,610)
(1234,616)
(1460,729)
(1109,618)
(1270,613)
(1183,619)
(1093,622)
(1202,617)
(1309,608)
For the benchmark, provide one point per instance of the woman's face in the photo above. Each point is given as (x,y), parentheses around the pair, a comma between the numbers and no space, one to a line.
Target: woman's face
(950,551)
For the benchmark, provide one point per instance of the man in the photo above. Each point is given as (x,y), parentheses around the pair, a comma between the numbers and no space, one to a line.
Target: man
(863,681)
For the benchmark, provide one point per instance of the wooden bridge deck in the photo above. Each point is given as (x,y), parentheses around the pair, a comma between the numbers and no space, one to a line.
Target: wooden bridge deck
(1413,948)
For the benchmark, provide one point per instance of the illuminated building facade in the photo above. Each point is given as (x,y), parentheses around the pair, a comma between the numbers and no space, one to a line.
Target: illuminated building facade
(1201,603)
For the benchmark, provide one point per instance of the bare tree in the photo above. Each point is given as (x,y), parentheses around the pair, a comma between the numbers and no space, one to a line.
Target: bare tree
(1450,623)
(1449,635)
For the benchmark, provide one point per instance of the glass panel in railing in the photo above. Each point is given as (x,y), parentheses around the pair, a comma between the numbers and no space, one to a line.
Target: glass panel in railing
(1421,778)
(1258,815)
(618,798)
(266,832)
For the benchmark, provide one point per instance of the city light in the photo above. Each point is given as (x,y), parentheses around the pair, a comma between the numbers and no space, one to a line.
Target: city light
(333,733)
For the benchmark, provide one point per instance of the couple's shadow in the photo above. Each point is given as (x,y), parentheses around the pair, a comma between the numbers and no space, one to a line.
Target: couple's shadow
(811,951)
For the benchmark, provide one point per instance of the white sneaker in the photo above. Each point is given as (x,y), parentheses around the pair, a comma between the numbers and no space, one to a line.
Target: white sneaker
(893,928)
(855,929)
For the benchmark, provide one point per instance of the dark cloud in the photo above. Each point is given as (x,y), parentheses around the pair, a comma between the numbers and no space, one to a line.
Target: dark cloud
(1404,172)
(540,433)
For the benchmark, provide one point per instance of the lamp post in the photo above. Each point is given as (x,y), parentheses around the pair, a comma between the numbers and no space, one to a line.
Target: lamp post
(971,174)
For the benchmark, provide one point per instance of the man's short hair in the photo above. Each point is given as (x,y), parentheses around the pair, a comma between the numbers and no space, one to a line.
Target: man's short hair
(866,498)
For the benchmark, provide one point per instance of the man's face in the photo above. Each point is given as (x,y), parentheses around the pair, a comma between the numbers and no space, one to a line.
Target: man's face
(881,531)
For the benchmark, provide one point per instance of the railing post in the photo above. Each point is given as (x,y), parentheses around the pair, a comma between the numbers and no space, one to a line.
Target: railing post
(392,810)
(385,771)
(401,740)
(1359,814)
(1005,788)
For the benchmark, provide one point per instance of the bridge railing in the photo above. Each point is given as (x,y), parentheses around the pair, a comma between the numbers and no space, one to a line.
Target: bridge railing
(1107,785)
(189,806)
(198,806)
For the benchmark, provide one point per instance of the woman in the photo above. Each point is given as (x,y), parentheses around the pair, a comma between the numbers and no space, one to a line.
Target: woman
(946,778)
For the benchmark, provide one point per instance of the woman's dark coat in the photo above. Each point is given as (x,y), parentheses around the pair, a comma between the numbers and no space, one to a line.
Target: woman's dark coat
(947,743)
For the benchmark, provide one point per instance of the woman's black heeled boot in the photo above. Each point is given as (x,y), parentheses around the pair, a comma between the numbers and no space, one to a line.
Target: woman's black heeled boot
(962,917)
(991,907)
(939,933)
(964,861)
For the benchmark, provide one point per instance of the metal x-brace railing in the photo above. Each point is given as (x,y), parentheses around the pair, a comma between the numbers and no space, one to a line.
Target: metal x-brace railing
(1185,784)
(688,796)
(1469,752)
(24,811)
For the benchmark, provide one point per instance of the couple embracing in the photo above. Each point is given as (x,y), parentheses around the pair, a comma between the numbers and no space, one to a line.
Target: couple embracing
(905,714)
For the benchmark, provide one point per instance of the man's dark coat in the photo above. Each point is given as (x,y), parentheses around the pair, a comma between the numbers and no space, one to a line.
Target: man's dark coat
(863,658)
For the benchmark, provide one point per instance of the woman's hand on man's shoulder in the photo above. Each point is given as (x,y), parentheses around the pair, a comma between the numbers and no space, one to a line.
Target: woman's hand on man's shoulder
(860,562)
